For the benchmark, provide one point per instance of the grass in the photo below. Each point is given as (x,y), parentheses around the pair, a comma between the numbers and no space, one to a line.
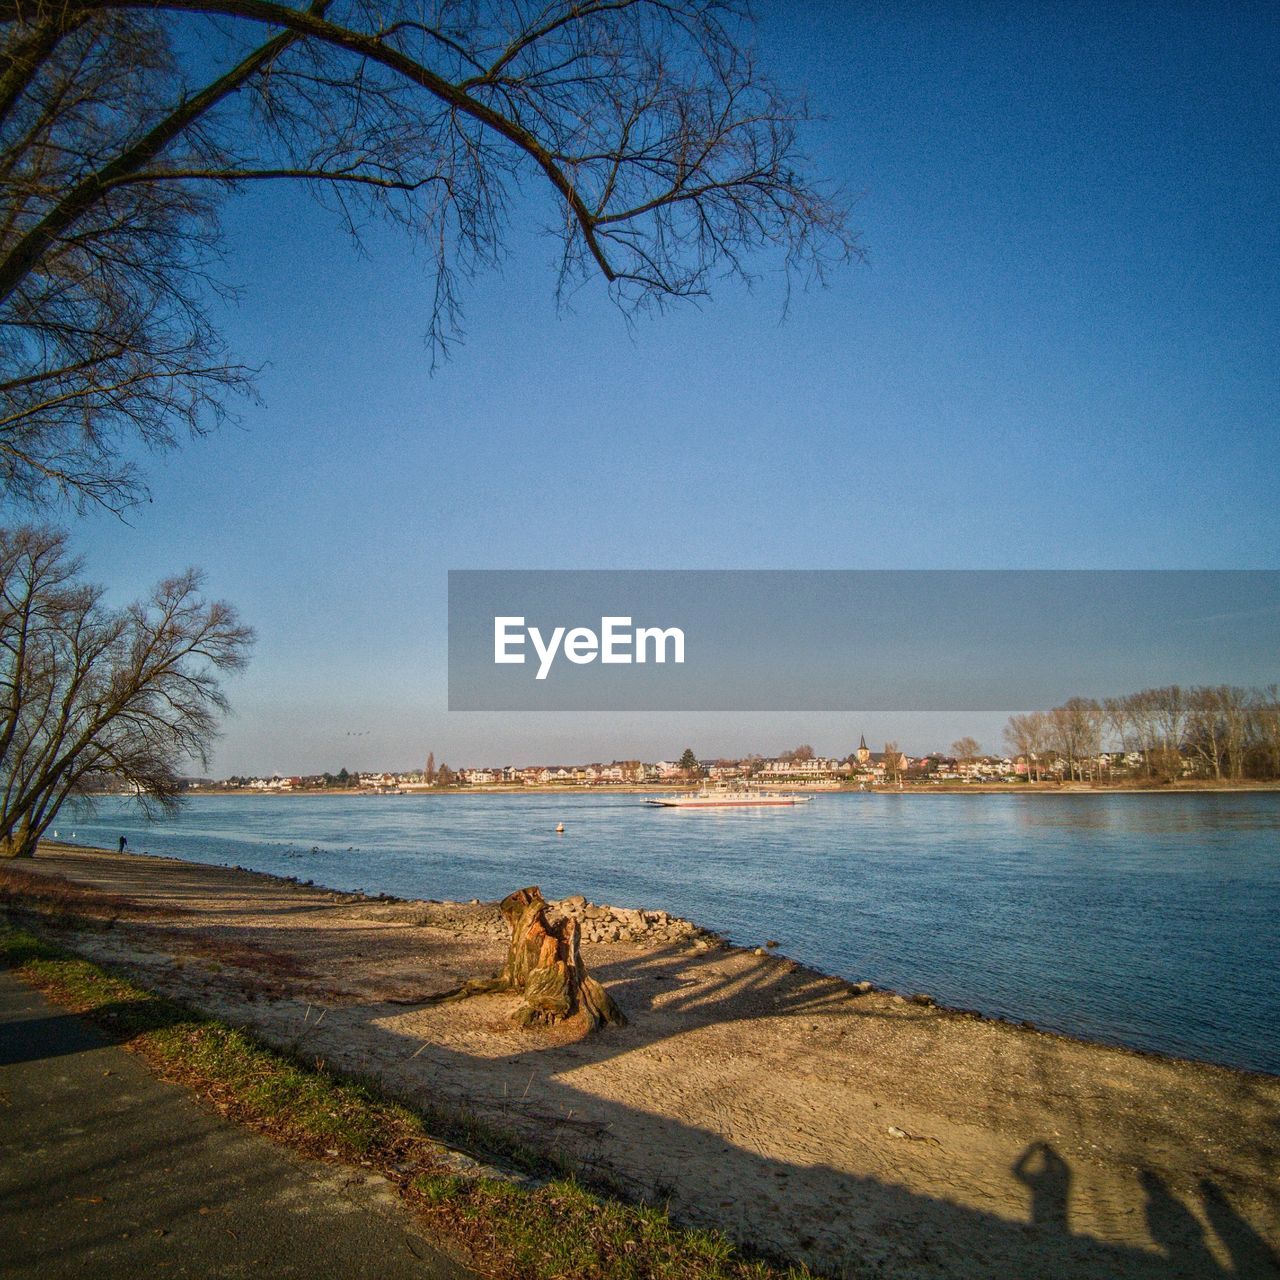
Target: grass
(557,1228)
(563,1229)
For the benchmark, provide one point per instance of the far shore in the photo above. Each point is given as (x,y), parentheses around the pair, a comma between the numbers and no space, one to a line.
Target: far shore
(1190,787)
(862,1131)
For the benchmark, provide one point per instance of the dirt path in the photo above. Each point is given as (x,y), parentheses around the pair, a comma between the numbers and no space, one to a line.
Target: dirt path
(864,1133)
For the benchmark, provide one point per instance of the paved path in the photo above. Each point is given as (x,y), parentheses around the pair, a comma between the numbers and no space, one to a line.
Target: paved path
(107,1171)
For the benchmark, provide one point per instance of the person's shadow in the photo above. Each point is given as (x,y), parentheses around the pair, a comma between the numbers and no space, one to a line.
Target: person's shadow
(1176,1229)
(1251,1257)
(1048,1177)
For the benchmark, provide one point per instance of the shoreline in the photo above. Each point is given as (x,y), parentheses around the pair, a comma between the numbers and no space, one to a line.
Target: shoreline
(714,942)
(696,934)
(843,1128)
(911,789)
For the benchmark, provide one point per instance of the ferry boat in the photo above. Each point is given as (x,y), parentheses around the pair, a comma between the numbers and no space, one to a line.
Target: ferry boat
(727,798)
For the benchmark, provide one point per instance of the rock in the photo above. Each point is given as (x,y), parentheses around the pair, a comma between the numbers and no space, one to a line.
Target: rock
(773,942)
(922,999)
(574,902)
(760,951)
(862,988)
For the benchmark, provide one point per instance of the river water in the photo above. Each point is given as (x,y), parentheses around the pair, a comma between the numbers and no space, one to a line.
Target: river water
(1144,920)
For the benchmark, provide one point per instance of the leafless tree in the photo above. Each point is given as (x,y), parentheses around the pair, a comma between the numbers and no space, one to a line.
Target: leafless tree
(1075,733)
(1264,723)
(1205,730)
(1168,711)
(1220,729)
(1236,709)
(1027,735)
(1153,722)
(95,694)
(966,748)
(1227,730)
(667,158)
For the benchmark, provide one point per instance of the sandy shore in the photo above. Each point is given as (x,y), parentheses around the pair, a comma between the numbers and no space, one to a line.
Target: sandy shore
(866,1134)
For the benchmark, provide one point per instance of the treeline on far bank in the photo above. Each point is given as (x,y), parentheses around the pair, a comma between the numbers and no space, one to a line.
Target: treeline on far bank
(1220,731)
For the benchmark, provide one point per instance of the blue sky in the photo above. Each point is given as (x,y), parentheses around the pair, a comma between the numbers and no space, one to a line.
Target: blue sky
(1061,353)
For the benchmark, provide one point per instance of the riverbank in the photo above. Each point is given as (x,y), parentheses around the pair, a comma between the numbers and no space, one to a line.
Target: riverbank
(858,1131)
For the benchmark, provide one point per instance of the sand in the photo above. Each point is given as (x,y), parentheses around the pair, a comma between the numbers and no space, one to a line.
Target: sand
(863,1133)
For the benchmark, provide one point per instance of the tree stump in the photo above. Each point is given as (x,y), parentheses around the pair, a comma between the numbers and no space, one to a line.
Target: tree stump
(544,964)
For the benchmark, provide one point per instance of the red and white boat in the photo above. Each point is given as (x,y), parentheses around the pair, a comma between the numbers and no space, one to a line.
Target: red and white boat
(727,798)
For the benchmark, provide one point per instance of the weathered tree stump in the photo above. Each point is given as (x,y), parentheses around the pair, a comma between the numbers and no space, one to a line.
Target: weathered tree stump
(544,964)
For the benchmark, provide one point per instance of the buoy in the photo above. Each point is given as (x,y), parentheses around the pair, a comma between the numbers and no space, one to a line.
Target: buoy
(559,828)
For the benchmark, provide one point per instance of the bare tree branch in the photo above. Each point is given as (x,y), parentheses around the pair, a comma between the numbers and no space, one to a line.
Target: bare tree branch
(669,159)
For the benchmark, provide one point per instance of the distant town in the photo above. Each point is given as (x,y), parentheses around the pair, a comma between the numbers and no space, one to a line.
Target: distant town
(1172,734)
(862,767)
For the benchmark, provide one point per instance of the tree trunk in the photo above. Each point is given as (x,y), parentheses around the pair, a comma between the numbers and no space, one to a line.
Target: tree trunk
(21,843)
(545,966)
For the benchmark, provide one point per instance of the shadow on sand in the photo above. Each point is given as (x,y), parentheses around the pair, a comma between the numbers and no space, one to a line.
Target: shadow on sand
(842,1223)
(720,1175)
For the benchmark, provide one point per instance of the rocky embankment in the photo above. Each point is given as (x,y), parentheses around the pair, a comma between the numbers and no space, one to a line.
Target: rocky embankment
(600,923)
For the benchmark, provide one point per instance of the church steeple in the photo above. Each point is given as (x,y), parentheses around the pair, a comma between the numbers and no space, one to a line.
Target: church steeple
(864,751)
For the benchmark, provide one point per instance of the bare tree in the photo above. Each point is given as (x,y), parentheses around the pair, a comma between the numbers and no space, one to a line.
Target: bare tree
(1153,722)
(1221,727)
(966,748)
(1206,732)
(1230,731)
(1264,722)
(1075,733)
(1168,710)
(1028,736)
(106,337)
(1235,706)
(667,158)
(96,694)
